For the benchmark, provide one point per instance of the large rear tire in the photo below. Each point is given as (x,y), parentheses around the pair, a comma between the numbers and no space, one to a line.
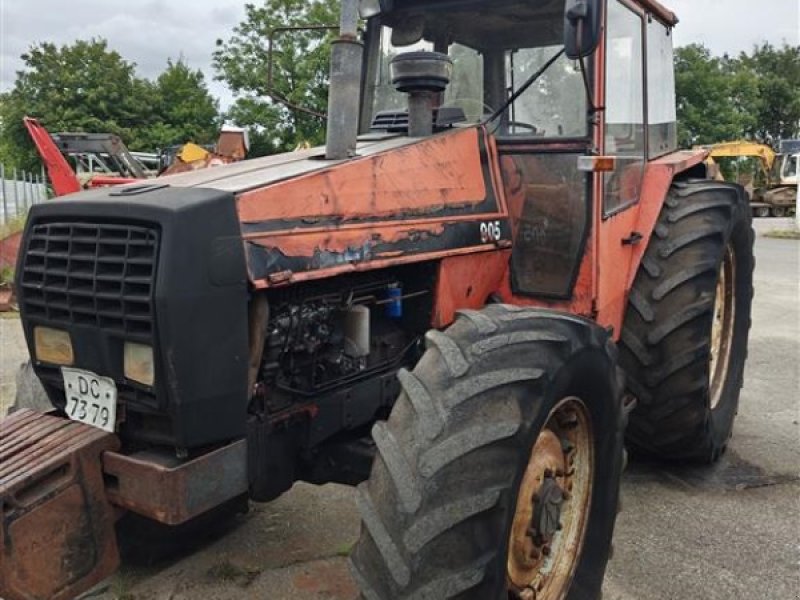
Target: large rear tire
(684,340)
(498,471)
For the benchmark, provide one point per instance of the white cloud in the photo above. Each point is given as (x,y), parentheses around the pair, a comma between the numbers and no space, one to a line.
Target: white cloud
(148,32)
(734,26)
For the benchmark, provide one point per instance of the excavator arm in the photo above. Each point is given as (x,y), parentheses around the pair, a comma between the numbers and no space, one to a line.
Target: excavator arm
(61,174)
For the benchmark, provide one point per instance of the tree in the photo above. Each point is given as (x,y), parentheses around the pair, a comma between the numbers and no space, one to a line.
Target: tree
(777,75)
(81,87)
(713,106)
(185,110)
(279,116)
(754,96)
(87,87)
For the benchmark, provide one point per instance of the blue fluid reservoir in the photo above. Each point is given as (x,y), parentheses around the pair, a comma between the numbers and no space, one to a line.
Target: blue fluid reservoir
(394,308)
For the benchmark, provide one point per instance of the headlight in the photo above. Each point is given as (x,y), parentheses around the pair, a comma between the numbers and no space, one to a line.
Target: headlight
(139,364)
(53,346)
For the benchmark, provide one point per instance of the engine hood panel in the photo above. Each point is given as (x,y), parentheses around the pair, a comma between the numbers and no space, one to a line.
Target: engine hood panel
(259,172)
(402,200)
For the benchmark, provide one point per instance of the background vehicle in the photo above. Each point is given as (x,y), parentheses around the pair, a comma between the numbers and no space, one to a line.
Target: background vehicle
(772,190)
(464,291)
(102,159)
(782,197)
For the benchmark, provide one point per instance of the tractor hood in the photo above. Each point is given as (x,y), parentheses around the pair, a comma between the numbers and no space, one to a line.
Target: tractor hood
(401,200)
(302,217)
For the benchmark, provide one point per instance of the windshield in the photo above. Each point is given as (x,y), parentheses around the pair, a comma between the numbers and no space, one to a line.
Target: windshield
(790,167)
(494,54)
(465,90)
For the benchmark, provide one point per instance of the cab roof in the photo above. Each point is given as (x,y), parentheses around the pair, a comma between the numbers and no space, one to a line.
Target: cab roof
(653,6)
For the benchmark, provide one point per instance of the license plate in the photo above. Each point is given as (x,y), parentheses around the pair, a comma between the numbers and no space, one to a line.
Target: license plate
(91,399)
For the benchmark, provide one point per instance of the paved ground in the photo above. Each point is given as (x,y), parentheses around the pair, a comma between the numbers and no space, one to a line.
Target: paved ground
(730,531)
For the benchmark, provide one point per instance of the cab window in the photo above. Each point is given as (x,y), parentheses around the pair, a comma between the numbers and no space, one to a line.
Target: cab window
(661,113)
(625,131)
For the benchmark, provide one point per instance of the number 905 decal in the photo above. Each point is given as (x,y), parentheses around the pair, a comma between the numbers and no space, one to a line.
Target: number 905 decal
(491,232)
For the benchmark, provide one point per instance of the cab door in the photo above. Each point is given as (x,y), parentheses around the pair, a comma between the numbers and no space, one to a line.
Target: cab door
(539,142)
(624,138)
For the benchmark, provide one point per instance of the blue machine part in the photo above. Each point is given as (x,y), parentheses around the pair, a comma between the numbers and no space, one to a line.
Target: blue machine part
(394,308)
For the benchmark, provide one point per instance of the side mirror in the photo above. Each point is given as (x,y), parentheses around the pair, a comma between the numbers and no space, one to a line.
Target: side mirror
(409,31)
(372,8)
(582,25)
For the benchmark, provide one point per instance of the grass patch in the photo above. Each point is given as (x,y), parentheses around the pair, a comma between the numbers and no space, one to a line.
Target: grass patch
(345,549)
(783,234)
(13,226)
(228,572)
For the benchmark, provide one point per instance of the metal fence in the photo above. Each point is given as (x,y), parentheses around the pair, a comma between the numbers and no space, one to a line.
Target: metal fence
(19,190)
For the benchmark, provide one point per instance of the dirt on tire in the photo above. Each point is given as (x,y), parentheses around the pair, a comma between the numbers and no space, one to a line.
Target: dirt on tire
(437,509)
(666,341)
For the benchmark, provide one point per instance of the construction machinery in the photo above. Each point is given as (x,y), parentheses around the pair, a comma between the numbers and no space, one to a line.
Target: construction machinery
(773,190)
(62,176)
(782,195)
(103,159)
(457,316)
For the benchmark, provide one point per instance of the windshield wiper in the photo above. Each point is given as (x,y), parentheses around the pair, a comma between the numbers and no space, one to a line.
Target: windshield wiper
(524,87)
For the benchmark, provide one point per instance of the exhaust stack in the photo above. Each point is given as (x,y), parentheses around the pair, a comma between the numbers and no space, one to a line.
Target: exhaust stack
(345,86)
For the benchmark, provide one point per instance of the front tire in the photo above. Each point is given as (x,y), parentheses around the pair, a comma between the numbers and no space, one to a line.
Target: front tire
(684,339)
(506,411)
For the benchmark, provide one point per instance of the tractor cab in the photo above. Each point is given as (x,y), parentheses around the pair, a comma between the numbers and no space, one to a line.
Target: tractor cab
(569,139)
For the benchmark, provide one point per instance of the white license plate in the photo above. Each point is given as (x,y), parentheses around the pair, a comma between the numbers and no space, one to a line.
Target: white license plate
(91,399)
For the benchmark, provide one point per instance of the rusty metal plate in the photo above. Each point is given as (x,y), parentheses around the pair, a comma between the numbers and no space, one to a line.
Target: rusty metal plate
(57,534)
(170,491)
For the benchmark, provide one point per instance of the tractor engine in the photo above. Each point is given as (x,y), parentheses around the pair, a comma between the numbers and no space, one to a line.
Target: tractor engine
(331,352)
(322,341)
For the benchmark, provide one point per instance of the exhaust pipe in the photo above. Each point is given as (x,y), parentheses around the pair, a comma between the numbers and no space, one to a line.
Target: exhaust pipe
(344,94)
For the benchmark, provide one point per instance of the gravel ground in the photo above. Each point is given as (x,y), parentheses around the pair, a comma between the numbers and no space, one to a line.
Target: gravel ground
(13,352)
(728,531)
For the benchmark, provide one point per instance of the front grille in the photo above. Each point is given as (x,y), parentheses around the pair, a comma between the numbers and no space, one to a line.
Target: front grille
(92,274)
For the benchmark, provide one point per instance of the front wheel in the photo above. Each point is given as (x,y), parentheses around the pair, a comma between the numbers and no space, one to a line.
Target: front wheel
(498,471)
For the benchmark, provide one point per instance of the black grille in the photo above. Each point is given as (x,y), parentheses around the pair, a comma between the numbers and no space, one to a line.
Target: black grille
(396,121)
(92,274)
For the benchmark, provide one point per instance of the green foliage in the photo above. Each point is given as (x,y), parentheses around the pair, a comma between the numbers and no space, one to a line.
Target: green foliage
(755,96)
(300,72)
(777,75)
(707,110)
(86,86)
(184,109)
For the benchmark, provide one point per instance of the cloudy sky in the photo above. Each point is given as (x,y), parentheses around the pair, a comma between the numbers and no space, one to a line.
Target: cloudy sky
(148,32)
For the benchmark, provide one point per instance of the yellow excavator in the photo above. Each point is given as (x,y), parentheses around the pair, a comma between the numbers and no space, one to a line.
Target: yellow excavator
(778,193)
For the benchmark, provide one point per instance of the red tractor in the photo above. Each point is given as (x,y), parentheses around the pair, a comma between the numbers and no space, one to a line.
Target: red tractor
(455,310)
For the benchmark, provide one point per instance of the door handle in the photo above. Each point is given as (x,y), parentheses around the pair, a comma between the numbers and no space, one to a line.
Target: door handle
(634,238)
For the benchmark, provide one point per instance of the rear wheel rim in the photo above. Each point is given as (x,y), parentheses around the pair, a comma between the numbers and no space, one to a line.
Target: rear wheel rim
(722,327)
(552,507)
